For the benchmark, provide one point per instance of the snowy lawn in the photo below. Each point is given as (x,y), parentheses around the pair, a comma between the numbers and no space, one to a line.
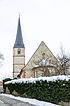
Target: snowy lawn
(31,101)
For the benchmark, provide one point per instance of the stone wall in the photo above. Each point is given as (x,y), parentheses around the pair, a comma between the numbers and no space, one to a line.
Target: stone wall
(14,92)
(64,103)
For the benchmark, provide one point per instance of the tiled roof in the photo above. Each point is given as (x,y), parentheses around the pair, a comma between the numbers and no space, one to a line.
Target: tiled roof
(19,40)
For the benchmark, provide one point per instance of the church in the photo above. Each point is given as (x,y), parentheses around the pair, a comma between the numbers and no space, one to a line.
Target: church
(42,63)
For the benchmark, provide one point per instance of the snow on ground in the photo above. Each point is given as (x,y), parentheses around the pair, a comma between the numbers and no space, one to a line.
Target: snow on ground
(1,101)
(31,101)
(33,80)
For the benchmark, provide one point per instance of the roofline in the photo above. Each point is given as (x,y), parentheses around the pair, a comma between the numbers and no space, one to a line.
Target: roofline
(35,52)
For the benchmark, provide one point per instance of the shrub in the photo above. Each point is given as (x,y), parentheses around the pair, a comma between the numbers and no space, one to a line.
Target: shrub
(54,92)
(5,80)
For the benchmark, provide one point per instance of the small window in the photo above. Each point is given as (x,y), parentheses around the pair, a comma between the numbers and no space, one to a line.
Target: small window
(19,51)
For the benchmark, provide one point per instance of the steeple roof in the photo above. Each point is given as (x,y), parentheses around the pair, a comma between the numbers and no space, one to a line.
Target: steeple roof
(19,40)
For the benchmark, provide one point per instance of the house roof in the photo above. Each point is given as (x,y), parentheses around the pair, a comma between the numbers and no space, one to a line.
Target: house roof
(19,40)
(44,46)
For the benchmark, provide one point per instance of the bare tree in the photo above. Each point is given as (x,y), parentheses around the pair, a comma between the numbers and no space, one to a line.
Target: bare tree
(1,59)
(64,60)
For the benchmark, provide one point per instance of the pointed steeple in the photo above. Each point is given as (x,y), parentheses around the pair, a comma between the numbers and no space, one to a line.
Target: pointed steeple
(19,40)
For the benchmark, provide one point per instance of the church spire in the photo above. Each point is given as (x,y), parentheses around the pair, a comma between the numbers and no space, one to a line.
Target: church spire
(19,40)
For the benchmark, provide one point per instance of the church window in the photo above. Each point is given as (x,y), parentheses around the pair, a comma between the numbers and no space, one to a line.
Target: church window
(43,55)
(19,51)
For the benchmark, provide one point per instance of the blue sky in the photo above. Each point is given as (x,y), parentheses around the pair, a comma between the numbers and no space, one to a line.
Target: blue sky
(41,20)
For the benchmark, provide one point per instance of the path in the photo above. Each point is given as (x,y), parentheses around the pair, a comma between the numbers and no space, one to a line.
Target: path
(6,101)
(1,87)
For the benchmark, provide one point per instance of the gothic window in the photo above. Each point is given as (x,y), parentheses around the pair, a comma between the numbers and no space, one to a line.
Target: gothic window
(19,51)
(43,55)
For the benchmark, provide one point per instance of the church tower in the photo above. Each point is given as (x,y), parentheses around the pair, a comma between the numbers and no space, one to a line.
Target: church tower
(18,52)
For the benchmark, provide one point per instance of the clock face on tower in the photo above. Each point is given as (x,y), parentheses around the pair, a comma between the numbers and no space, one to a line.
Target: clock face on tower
(19,51)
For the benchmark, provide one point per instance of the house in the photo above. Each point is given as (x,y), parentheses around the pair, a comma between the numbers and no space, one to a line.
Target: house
(42,62)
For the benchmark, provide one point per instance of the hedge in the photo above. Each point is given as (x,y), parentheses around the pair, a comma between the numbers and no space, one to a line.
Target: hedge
(54,92)
(5,80)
